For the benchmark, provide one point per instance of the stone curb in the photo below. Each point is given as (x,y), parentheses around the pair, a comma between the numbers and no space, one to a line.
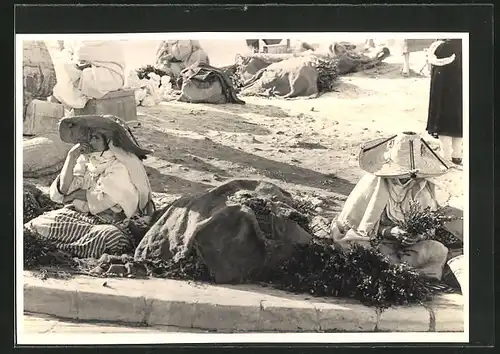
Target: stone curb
(164,302)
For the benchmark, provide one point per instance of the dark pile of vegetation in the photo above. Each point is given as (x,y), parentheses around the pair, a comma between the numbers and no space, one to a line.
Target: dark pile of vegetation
(328,73)
(35,202)
(39,252)
(359,273)
(144,71)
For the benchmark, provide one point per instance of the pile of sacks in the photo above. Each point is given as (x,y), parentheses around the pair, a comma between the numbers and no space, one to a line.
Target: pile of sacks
(152,90)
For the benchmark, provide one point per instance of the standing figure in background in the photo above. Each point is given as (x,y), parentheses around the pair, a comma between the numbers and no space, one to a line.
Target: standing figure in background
(445,99)
(412,45)
(86,70)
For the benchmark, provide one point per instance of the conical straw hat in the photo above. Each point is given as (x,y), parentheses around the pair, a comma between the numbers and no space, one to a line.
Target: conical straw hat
(403,155)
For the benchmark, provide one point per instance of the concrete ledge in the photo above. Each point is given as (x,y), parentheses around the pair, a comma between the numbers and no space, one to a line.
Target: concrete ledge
(244,308)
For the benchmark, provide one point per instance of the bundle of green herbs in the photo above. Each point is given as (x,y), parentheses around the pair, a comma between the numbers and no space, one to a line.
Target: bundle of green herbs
(429,223)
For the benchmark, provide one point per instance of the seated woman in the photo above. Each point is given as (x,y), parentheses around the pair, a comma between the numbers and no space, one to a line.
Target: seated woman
(86,70)
(102,182)
(399,172)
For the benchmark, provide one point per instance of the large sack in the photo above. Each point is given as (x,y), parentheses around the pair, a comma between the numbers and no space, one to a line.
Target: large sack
(234,243)
(206,84)
(350,60)
(248,67)
(43,155)
(39,76)
(294,77)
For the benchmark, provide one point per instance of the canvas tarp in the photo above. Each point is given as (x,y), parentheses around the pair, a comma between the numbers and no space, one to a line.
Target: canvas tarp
(231,239)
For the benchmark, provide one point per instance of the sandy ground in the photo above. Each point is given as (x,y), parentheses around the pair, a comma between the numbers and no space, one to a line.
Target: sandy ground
(303,145)
(307,145)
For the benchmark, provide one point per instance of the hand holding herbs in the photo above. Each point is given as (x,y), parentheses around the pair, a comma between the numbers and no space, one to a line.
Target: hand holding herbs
(422,224)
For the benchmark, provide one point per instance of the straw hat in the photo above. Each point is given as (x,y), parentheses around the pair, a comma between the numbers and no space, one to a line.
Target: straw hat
(403,155)
(77,129)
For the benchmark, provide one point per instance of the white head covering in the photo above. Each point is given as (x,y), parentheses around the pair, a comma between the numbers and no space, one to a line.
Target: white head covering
(137,173)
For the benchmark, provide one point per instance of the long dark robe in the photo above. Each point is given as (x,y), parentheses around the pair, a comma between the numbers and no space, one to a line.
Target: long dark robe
(445,99)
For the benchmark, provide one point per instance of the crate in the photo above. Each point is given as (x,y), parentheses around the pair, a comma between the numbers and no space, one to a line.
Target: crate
(119,103)
(275,48)
(42,117)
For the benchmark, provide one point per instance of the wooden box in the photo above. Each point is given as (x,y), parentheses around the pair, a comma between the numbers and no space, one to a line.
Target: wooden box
(275,48)
(119,103)
(42,117)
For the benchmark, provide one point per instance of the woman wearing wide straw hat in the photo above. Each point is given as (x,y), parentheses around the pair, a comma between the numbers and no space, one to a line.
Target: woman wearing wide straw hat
(399,168)
(103,184)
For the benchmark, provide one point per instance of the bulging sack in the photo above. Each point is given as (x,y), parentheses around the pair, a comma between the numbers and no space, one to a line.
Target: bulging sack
(208,90)
(205,84)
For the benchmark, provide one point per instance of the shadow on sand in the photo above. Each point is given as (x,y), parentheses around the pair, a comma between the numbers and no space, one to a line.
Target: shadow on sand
(391,71)
(172,148)
(199,119)
(263,110)
(163,183)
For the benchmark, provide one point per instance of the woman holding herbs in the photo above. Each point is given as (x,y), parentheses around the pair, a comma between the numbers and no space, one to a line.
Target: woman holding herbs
(400,169)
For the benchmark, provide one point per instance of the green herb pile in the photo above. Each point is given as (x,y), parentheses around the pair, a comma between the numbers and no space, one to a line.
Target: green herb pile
(363,274)
(40,253)
(328,73)
(35,202)
(144,71)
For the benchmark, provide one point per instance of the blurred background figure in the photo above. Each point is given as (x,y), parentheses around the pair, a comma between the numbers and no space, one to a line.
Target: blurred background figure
(86,70)
(445,98)
(173,56)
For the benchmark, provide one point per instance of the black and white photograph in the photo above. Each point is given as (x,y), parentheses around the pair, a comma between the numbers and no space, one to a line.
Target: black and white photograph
(220,187)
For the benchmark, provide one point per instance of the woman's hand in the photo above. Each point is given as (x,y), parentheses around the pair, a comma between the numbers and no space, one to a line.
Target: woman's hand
(405,239)
(78,149)
(398,234)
